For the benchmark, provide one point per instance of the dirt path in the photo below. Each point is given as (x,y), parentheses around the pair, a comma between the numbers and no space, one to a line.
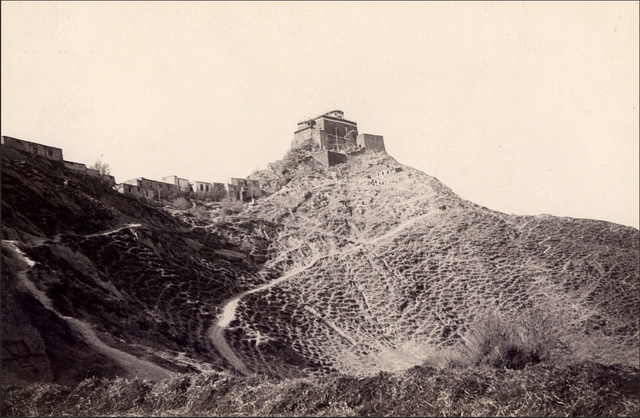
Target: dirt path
(135,366)
(113,231)
(216,332)
(57,237)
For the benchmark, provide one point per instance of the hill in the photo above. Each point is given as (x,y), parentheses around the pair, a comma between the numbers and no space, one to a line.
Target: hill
(362,268)
(390,264)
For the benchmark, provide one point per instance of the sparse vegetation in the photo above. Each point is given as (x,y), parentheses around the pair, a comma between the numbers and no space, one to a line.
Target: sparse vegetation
(182,203)
(230,207)
(101,167)
(200,212)
(511,341)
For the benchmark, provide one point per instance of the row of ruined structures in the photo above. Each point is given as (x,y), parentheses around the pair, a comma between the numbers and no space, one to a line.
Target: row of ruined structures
(169,187)
(174,186)
(336,137)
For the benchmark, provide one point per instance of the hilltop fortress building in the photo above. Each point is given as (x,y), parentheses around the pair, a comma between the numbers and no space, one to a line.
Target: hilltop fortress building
(330,130)
(336,137)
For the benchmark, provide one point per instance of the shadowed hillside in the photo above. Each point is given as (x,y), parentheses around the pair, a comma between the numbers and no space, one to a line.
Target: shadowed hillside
(84,266)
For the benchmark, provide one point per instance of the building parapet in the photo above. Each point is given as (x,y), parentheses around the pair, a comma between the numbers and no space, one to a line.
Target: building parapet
(370,142)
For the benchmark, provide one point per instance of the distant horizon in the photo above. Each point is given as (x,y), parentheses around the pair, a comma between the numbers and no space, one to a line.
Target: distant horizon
(525,108)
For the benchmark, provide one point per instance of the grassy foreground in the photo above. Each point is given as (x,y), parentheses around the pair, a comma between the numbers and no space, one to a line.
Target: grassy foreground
(582,389)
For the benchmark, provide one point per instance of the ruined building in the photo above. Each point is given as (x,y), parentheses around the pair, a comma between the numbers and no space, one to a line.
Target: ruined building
(248,189)
(173,186)
(170,187)
(331,131)
(336,136)
(53,154)
(151,189)
(183,184)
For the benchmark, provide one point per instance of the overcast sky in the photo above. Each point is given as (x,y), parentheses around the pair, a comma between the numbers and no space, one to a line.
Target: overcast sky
(525,108)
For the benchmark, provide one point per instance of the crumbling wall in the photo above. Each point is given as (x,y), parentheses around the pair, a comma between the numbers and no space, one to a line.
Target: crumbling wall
(153,188)
(371,142)
(255,189)
(183,184)
(218,191)
(329,158)
(75,166)
(93,172)
(109,179)
(301,136)
(201,187)
(126,188)
(233,191)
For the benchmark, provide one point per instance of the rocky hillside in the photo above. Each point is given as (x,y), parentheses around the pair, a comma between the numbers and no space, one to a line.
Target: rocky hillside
(363,267)
(390,264)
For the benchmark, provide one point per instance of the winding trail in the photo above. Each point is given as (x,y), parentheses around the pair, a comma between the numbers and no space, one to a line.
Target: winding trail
(112,231)
(229,307)
(57,237)
(216,332)
(135,366)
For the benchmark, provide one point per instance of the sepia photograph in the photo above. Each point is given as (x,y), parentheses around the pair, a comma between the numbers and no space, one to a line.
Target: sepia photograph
(332,208)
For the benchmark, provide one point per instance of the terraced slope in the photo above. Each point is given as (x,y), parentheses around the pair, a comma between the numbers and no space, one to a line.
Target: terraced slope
(386,269)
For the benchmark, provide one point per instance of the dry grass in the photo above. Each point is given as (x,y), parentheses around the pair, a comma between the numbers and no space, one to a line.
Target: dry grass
(181,203)
(230,207)
(584,389)
(512,341)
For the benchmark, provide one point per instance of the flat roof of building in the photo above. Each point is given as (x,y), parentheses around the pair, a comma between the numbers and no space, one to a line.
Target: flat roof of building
(30,142)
